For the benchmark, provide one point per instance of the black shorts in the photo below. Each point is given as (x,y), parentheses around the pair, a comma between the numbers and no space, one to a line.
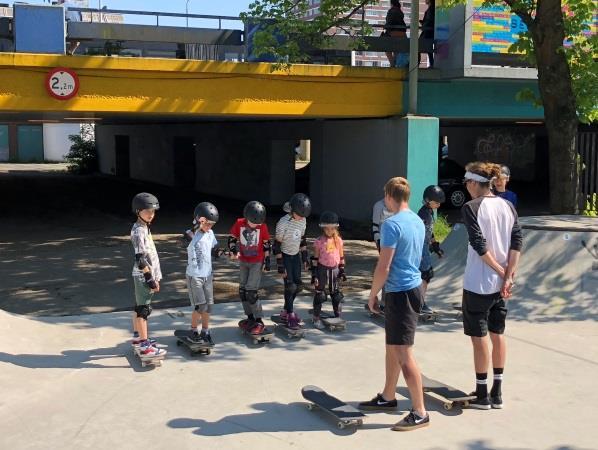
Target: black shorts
(483,313)
(427,275)
(402,310)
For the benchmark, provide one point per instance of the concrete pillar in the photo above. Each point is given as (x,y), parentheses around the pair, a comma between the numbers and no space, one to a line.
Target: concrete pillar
(421,156)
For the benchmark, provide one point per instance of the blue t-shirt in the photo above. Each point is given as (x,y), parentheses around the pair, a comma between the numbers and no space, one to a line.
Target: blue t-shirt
(508,195)
(405,232)
(199,254)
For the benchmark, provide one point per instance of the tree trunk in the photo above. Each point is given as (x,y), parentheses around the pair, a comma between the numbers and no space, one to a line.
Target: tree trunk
(556,91)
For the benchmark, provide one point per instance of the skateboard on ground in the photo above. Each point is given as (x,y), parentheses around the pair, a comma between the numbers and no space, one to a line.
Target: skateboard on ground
(195,348)
(345,414)
(149,360)
(330,321)
(264,336)
(292,333)
(379,314)
(448,395)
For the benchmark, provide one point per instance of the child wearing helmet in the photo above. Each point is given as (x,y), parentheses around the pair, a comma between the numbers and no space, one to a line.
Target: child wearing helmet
(290,248)
(249,242)
(500,186)
(433,198)
(200,251)
(327,266)
(146,270)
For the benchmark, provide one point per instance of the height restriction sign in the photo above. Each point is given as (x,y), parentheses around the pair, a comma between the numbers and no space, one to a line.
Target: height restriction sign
(62,83)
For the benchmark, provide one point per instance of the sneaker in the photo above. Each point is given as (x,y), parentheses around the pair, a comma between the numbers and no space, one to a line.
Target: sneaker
(479,403)
(411,422)
(151,351)
(195,337)
(294,321)
(207,338)
(257,328)
(378,403)
(426,309)
(284,316)
(496,401)
(138,342)
(318,323)
(244,324)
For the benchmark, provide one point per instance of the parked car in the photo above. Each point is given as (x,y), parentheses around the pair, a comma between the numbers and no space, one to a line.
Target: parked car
(450,179)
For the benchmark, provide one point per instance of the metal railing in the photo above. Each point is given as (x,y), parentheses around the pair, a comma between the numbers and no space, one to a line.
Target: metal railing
(156,14)
(587,147)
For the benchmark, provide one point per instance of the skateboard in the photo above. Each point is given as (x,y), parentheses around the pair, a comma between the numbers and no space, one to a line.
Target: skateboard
(378,314)
(344,413)
(261,338)
(448,395)
(149,360)
(292,333)
(195,348)
(330,321)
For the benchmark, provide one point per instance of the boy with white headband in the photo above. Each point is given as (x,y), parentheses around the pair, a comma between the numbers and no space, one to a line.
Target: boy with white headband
(495,241)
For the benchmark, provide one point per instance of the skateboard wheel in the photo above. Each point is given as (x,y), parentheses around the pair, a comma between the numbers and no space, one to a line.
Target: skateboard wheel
(340,425)
(360,422)
(310,406)
(448,406)
(208,352)
(143,364)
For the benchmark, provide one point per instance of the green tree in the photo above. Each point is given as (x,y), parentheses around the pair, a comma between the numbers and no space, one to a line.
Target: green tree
(567,75)
(82,157)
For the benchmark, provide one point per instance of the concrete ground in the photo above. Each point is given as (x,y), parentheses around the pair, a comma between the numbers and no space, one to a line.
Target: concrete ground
(72,382)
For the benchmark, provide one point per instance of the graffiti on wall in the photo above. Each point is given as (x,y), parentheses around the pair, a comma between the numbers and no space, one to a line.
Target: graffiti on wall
(512,147)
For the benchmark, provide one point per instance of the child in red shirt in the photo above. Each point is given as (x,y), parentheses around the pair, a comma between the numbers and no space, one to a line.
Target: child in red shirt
(249,242)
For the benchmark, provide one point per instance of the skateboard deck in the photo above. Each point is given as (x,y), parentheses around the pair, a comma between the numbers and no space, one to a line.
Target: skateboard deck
(263,337)
(292,333)
(195,348)
(149,360)
(345,414)
(378,314)
(330,321)
(448,395)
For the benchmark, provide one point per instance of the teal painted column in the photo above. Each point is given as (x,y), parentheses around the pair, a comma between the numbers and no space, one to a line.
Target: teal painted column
(422,155)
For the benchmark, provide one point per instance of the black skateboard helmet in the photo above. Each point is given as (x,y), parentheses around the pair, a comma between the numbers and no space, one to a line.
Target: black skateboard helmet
(434,193)
(207,210)
(255,212)
(300,205)
(328,219)
(144,200)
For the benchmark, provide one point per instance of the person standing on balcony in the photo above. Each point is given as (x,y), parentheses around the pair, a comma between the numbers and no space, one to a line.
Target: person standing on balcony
(395,27)
(427,24)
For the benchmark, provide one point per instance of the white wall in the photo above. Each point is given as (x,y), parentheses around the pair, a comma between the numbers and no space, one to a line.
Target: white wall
(56,139)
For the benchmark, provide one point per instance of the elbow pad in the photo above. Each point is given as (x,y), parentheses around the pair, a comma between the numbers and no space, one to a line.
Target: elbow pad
(141,261)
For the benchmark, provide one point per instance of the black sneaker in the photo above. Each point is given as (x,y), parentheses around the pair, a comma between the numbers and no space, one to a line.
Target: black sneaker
(207,338)
(411,422)
(378,403)
(426,309)
(479,403)
(496,401)
(195,338)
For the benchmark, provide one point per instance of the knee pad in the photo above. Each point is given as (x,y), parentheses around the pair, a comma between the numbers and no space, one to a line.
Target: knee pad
(243,294)
(319,298)
(252,297)
(290,288)
(143,311)
(337,297)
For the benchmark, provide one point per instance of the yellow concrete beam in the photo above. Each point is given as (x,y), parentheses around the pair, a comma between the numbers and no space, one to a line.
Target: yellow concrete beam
(200,88)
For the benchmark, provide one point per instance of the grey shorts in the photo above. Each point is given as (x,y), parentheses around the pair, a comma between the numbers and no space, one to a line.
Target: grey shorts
(201,293)
(250,276)
(143,294)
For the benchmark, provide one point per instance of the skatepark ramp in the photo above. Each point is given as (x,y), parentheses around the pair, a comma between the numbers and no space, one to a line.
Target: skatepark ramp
(558,271)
